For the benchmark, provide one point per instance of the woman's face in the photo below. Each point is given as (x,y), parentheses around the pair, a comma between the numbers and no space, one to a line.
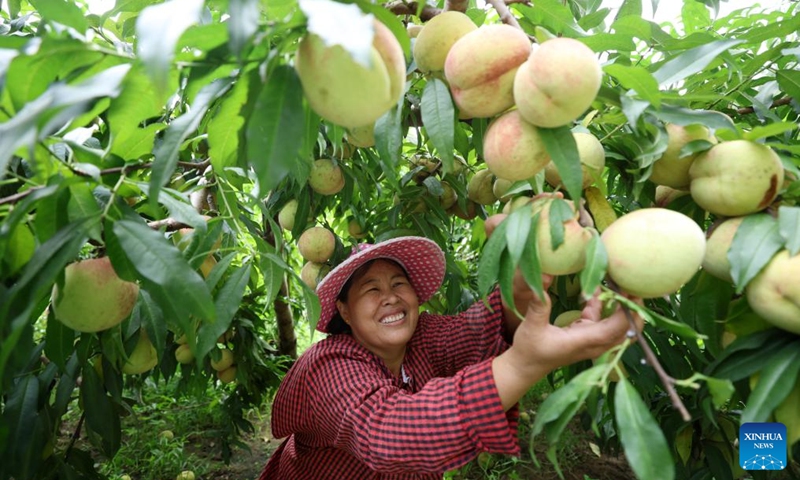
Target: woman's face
(381,308)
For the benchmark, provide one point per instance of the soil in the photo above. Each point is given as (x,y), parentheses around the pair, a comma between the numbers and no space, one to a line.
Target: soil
(579,462)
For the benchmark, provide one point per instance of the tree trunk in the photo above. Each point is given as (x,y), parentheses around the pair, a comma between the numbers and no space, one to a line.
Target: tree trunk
(287,341)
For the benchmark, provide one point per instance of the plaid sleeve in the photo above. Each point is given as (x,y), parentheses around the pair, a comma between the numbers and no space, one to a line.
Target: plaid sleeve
(472,336)
(442,426)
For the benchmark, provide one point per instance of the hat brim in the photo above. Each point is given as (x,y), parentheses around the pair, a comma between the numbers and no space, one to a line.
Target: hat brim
(421,258)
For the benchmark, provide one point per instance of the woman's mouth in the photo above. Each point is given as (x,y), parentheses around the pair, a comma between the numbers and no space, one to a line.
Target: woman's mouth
(392,318)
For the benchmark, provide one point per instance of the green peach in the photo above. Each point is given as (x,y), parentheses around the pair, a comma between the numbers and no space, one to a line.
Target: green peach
(653,252)
(774,293)
(593,160)
(736,178)
(438,36)
(342,90)
(671,169)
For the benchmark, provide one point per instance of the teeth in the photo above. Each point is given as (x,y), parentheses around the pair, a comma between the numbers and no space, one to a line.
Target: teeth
(393,318)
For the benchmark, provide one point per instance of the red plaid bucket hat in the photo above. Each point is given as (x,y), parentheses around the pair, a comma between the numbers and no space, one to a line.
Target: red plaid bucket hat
(421,258)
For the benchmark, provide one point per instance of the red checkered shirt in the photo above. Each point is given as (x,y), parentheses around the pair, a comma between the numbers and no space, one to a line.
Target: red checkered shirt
(348,417)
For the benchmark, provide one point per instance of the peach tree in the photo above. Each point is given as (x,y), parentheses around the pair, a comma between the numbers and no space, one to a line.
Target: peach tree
(160,163)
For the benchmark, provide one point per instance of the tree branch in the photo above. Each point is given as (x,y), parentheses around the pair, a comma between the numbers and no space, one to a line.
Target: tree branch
(777,103)
(504,13)
(456,5)
(652,360)
(108,171)
(400,7)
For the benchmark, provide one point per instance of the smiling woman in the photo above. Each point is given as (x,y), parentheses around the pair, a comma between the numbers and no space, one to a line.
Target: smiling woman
(395,392)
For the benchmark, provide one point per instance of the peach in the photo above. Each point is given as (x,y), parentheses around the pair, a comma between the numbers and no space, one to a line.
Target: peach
(316,244)
(326,177)
(513,149)
(671,169)
(736,178)
(570,255)
(438,36)
(480,188)
(480,69)
(775,292)
(653,252)
(715,260)
(93,298)
(557,83)
(342,90)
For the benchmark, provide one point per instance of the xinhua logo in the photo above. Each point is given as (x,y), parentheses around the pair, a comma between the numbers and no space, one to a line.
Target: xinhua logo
(762,446)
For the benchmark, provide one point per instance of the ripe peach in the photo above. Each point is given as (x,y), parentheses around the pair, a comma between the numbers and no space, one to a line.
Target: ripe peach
(312,273)
(557,83)
(93,297)
(736,178)
(438,36)
(342,90)
(362,137)
(480,69)
(513,149)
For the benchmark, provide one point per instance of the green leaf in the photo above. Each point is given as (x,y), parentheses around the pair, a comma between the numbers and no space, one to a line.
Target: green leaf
(559,213)
(769,130)
(82,204)
(691,62)
(162,264)
(60,341)
(158,28)
(505,277)
(151,318)
(529,264)
(438,116)
(747,355)
(166,154)
(225,128)
(772,386)
(20,413)
(63,12)
(560,406)
(389,136)
(135,104)
(594,271)
(756,241)
(518,228)
(645,446)
(561,147)
(685,116)
(637,79)
(242,24)
(101,416)
(789,82)
(489,263)
(227,301)
(789,227)
(721,390)
(553,16)
(276,128)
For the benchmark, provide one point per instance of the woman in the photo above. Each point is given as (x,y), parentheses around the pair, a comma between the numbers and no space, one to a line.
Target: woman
(394,393)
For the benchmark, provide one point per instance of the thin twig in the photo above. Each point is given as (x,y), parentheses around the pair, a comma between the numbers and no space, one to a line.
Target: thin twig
(75,435)
(456,5)
(777,103)
(108,171)
(652,360)
(399,7)
(504,13)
